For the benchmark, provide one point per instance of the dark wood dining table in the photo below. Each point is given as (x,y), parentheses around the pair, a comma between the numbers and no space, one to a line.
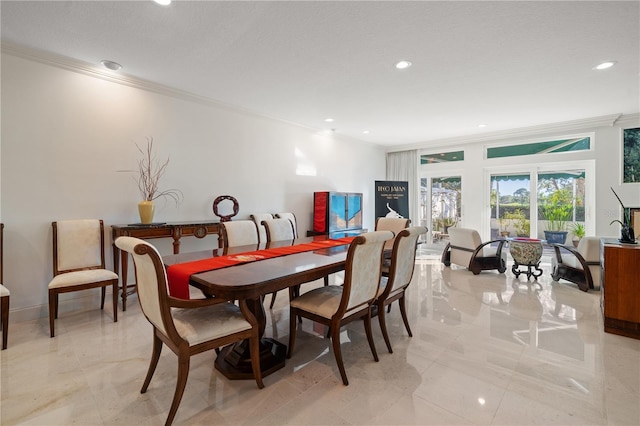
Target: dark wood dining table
(249,282)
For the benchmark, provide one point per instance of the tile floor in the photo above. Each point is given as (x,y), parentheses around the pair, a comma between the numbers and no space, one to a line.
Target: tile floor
(487,349)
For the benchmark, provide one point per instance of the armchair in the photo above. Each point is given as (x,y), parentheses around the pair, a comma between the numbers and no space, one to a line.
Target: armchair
(579,265)
(465,248)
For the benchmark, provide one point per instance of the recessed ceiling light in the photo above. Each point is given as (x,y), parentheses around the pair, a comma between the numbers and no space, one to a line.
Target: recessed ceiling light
(113,66)
(366,132)
(604,65)
(163,2)
(402,65)
(482,125)
(328,120)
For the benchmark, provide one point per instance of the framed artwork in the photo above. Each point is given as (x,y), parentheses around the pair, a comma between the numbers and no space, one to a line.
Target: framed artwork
(631,156)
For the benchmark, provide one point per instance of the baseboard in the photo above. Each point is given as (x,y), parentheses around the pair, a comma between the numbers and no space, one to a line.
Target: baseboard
(81,300)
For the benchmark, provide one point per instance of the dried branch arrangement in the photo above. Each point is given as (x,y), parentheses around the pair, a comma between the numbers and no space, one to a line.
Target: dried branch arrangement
(150,170)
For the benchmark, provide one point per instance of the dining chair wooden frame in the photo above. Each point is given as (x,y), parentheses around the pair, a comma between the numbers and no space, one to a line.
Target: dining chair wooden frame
(335,306)
(258,218)
(187,327)
(79,264)
(398,277)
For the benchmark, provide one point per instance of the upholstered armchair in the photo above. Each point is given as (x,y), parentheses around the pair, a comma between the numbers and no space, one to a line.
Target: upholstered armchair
(465,248)
(579,265)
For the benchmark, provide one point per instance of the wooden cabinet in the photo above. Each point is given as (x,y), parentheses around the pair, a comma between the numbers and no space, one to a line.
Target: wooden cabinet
(337,212)
(621,288)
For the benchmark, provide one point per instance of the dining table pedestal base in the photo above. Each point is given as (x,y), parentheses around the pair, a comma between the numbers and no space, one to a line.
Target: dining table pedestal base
(234,361)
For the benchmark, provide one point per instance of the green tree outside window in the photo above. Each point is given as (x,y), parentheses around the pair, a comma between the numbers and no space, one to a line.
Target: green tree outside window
(631,155)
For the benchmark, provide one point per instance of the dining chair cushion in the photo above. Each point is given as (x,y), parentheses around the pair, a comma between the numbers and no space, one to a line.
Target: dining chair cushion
(4,291)
(82,277)
(322,301)
(197,325)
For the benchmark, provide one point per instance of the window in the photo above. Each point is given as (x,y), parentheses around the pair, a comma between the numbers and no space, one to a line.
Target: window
(442,157)
(548,147)
(631,156)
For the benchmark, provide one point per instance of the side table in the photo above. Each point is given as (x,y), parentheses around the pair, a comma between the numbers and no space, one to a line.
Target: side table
(175,230)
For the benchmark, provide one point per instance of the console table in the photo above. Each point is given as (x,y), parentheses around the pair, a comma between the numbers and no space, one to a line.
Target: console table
(175,230)
(620,287)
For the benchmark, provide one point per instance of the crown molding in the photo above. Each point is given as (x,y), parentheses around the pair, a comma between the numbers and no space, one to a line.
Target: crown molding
(118,77)
(93,70)
(629,120)
(563,127)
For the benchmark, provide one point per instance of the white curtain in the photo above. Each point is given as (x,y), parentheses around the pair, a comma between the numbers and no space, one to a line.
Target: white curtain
(403,166)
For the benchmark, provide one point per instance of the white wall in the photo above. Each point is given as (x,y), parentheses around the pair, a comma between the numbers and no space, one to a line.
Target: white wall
(66,134)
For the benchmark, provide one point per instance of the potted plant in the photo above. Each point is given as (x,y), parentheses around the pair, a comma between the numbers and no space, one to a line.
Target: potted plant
(448,222)
(557,211)
(578,231)
(626,232)
(150,170)
(520,223)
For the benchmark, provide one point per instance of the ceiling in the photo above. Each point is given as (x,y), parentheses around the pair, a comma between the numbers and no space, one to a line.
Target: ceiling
(504,64)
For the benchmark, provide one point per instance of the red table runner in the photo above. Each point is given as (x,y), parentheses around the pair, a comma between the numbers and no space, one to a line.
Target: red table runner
(179,274)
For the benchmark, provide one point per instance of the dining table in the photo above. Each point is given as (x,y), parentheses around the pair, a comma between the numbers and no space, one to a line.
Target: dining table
(248,282)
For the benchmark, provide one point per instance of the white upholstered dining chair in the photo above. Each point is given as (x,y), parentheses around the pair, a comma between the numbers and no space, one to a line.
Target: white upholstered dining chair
(336,306)
(257,219)
(78,263)
(239,233)
(278,230)
(392,224)
(397,277)
(292,218)
(187,327)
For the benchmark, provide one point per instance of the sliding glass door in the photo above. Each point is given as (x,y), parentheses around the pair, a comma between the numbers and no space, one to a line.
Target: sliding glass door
(530,203)
(441,203)
(510,205)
